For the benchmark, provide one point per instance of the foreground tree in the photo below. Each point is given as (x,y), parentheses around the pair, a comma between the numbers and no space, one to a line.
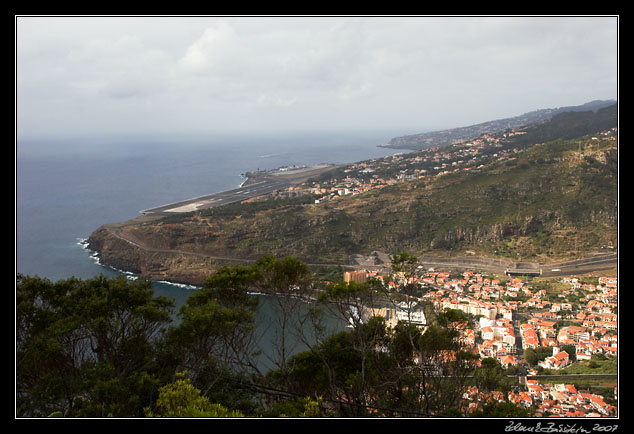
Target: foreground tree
(181,399)
(86,348)
(289,285)
(107,347)
(216,329)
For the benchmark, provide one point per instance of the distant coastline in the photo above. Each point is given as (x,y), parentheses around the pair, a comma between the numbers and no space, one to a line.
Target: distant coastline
(450,136)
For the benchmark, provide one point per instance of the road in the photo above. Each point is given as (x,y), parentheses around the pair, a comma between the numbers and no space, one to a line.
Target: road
(136,243)
(604,261)
(597,262)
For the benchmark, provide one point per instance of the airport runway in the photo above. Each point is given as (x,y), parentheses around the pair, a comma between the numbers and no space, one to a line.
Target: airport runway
(265,186)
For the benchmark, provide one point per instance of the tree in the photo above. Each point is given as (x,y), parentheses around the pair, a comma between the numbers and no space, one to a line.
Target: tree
(288,282)
(404,263)
(305,407)
(181,399)
(86,347)
(530,356)
(444,369)
(107,347)
(345,368)
(502,409)
(535,355)
(50,349)
(491,376)
(217,331)
(571,350)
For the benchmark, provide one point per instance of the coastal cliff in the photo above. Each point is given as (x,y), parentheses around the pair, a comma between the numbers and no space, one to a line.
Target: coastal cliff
(158,265)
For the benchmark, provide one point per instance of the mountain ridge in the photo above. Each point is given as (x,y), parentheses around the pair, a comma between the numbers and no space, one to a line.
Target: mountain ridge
(449,136)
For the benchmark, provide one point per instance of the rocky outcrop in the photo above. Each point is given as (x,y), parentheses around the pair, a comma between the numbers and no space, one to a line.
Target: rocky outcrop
(156,264)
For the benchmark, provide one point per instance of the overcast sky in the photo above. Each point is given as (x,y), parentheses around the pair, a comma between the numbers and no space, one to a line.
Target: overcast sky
(122,76)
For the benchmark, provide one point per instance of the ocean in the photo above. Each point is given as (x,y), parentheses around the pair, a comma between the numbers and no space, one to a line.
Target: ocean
(65,189)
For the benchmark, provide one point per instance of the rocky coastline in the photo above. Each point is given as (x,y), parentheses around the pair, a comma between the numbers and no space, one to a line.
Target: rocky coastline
(155,264)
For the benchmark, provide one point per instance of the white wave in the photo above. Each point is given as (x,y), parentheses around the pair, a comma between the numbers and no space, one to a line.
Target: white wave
(179,285)
(83,242)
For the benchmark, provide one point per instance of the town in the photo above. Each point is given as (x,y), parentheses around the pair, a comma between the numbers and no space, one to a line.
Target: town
(535,328)
(463,156)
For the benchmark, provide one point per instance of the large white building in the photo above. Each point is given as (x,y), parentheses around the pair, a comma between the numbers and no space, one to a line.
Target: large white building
(474,307)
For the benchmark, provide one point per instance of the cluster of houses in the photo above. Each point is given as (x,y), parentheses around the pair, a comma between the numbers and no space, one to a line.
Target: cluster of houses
(588,325)
(378,173)
(563,400)
(595,315)
(546,400)
(583,316)
(495,304)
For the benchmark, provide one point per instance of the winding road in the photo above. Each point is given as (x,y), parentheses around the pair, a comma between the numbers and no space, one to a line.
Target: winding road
(604,261)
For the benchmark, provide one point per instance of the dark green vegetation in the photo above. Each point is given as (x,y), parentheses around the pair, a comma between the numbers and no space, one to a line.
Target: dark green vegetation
(109,348)
(548,193)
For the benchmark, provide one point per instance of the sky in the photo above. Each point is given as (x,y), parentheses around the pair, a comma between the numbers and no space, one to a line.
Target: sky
(140,75)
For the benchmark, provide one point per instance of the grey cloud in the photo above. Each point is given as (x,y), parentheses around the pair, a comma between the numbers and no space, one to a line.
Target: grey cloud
(209,73)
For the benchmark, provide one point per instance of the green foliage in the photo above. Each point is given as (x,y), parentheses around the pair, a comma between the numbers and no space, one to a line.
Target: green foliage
(491,376)
(86,347)
(504,409)
(101,347)
(403,263)
(571,350)
(181,399)
(530,356)
(296,408)
(535,355)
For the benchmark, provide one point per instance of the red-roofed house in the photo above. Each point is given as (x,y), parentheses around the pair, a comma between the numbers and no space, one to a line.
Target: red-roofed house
(559,360)
(507,361)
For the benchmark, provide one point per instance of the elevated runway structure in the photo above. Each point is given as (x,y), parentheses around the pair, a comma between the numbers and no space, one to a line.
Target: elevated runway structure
(523,272)
(261,188)
(262,185)
(595,262)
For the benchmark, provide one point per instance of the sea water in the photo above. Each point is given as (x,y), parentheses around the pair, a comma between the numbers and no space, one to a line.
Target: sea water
(65,189)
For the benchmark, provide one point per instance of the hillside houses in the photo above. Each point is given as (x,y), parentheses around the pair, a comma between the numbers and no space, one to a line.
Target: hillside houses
(395,312)
(565,400)
(584,318)
(546,400)
(559,360)
(592,326)
(378,173)
(529,336)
